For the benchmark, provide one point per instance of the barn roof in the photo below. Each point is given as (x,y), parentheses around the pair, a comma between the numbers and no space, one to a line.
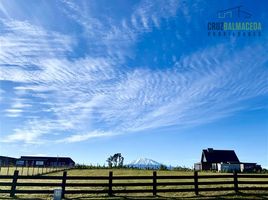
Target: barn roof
(217,156)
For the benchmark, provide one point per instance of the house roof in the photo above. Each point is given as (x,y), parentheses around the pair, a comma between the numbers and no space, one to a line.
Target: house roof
(6,157)
(44,158)
(217,156)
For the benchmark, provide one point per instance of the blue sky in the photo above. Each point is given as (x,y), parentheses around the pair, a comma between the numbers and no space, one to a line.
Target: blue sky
(87,79)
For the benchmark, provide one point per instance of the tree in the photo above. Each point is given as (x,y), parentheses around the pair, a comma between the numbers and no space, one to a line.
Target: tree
(117,160)
(120,160)
(110,161)
(163,167)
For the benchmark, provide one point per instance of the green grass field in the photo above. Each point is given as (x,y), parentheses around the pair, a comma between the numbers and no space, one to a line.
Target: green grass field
(132,172)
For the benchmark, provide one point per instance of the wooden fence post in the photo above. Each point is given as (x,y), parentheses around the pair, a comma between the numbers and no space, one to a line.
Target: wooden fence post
(235,182)
(63,184)
(196,182)
(154,183)
(110,191)
(14,183)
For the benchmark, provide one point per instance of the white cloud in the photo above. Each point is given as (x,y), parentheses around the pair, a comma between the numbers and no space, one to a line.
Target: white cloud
(86,136)
(87,92)
(13,112)
(208,86)
(27,43)
(35,130)
(64,96)
(116,40)
(17,108)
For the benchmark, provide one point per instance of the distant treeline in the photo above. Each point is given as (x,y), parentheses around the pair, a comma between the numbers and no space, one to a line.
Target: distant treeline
(162,167)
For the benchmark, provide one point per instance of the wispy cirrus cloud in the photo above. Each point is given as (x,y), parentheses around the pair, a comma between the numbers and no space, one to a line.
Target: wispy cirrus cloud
(117,39)
(17,107)
(27,43)
(86,136)
(31,132)
(181,96)
(96,95)
(184,94)
(149,14)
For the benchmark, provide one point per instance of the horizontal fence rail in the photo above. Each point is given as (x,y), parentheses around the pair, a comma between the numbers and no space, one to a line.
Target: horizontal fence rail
(112,185)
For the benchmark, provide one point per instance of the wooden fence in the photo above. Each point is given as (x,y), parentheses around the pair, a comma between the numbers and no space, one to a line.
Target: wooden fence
(30,171)
(147,184)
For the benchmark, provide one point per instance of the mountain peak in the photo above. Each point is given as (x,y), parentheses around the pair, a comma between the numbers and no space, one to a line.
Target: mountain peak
(145,163)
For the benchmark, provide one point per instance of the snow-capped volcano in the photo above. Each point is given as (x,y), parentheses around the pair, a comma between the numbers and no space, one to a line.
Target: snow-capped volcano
(144,163)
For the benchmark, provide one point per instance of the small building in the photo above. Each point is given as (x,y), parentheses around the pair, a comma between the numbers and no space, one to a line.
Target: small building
(43,161)
(215,159)
(224,161)
(7,161)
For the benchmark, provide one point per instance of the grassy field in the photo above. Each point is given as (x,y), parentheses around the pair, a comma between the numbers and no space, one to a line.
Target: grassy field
(132,172)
